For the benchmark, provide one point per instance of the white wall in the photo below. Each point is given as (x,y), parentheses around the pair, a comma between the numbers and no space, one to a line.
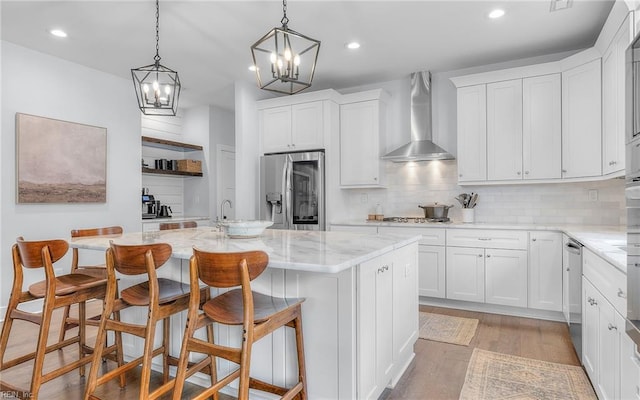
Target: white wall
(221,132)
(38,84)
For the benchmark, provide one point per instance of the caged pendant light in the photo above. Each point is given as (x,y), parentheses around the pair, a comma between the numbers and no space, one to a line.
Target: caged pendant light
(284,59)
(157,87)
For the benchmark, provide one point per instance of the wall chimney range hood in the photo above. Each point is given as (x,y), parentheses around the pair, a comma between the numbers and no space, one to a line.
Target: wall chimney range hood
(421,147)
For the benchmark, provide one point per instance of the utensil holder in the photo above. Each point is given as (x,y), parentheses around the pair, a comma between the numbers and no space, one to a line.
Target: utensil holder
(468,215)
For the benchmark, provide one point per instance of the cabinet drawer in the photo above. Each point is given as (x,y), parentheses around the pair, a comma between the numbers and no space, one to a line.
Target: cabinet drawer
(609,280)
(430,236)
(487,238)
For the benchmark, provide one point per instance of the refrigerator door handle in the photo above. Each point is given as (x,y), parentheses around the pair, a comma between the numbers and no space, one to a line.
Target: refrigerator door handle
(285,193)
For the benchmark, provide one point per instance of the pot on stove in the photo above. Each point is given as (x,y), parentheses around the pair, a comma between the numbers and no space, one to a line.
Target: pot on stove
(436,210)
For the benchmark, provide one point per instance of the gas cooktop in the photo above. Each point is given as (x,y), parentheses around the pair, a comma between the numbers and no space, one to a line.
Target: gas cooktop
(415,220)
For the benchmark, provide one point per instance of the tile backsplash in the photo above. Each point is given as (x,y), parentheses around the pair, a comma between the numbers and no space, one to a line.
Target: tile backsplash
(413,184)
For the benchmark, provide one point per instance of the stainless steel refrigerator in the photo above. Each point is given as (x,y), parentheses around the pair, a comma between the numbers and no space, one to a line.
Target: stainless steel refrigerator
(292,193)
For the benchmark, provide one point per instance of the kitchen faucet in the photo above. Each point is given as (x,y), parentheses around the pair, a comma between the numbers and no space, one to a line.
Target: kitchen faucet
(222,207)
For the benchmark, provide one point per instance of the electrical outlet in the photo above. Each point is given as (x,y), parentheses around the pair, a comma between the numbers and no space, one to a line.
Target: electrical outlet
(364,198)
(593,195)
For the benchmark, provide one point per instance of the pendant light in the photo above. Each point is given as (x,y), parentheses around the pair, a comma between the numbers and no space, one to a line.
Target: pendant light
(284,59)
(157,87)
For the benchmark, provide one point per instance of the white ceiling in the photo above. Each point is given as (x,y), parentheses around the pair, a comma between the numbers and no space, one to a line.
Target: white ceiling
(208,42)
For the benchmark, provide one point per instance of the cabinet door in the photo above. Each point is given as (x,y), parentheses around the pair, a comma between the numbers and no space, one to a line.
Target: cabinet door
(541,127)
(465,274)
(359,144)
(581,121)
(275,129)
(307,128)
(432,271)
(504,130)
(472,133)
(590,329)
(613,100)
(506,277)
(375,324)
(608,352)
(545,270)
(629,366)
(405,300)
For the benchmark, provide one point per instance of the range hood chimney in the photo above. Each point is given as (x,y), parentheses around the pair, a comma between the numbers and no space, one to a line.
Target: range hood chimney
(421,147)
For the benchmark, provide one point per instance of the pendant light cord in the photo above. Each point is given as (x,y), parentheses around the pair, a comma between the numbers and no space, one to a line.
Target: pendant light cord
(284,21)
(157,56)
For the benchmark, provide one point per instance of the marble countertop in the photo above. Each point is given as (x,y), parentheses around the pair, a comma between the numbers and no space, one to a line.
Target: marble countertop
(606,241)
(313,251)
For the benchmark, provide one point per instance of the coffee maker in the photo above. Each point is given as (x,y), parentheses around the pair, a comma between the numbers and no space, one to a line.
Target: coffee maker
(150,206)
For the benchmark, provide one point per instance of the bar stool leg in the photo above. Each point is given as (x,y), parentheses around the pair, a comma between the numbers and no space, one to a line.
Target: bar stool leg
(64,325)
(212,363)
(82,314)
(41,349)
(302,373)
(119,353)
(147,355)
(165,345)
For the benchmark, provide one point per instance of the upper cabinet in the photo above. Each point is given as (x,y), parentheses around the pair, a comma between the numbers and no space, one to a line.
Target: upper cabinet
(292,127)
(362,133)
(581,121)
(504,130)
(472,133)
(297,123)
(613,99)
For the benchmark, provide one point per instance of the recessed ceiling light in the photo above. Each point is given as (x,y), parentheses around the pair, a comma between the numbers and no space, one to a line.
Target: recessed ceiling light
(560,5)
(497,13)
(58,33)
(252,68)
(352,45)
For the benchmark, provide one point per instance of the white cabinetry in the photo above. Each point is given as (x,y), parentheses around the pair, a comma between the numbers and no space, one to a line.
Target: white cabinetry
(292,127)
(387,319)
(545,270)
(472,133)
(431,259)
(504,130)
(541,127)
(606,353)
(581,121)
(362,133)
(487,266)
(613,99)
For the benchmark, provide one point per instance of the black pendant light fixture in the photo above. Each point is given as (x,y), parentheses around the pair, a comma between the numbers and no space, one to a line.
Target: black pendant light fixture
(157,87)
(285,60)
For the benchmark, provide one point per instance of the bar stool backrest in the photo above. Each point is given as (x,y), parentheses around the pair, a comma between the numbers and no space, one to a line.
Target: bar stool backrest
(222,270)
(132,259)
(32,253)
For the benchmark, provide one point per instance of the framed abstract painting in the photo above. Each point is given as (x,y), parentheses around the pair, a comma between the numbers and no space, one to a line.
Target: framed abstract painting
(59,161)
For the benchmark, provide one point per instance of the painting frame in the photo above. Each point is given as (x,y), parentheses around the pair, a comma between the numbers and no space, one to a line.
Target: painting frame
(59,162)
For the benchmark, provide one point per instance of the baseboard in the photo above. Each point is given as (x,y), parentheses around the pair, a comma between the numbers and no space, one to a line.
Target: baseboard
(394,381)
(494,309)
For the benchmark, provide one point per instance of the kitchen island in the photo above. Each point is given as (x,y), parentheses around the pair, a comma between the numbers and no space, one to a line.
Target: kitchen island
(360,317)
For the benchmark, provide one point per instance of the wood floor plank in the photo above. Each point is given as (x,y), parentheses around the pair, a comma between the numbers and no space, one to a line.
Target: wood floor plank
(439,369)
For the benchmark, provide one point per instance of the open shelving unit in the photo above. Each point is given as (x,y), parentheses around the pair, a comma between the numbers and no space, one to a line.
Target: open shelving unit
(173,146)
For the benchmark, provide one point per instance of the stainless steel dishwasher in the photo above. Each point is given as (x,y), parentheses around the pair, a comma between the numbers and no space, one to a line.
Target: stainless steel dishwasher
(572,307)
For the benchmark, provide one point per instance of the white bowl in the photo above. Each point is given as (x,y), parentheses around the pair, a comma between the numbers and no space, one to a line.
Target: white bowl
(245,229)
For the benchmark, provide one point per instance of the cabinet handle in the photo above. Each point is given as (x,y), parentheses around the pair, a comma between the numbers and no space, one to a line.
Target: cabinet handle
(564,171)
(460,176)
(375,178)
(567,269)
(519,173)
(526,172)
(612,327)
(534,239)
(488,255)
(621,293)
(289,145)
(484,238)
(479,255)
(614,162)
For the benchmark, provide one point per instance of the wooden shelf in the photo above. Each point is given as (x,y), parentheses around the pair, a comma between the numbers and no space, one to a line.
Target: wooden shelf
(169,145)
(169,172)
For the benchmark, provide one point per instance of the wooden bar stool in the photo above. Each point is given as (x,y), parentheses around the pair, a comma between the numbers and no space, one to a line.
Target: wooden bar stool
(57,292)
(258,314)
(99,271)
(178,225)
(162,297)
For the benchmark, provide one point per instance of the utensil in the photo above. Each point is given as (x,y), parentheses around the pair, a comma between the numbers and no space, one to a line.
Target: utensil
(473,201)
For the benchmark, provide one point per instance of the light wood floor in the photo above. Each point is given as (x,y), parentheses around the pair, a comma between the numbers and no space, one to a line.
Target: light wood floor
(439,369)
(437,372)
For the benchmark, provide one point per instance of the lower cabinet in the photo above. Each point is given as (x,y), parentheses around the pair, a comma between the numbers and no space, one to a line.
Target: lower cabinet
(545,270)
(506,277)
(432,267)
(387,318)
(465,274)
